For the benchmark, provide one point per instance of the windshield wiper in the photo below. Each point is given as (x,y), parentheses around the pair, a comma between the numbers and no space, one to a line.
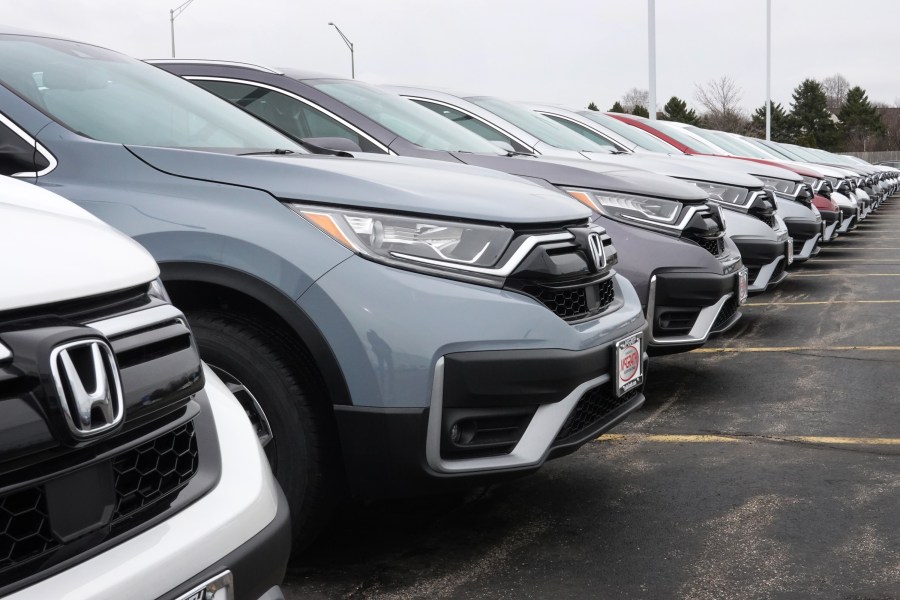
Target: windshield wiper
(264,152)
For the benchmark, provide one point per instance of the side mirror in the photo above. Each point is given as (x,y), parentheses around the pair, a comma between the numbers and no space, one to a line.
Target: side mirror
(330,145)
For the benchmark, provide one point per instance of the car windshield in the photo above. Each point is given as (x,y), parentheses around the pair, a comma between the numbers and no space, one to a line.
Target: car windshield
(645,140)
(404,118)
(725,142)
(109,97)
(764,151)
(678,134)
(784,151)
(540,127)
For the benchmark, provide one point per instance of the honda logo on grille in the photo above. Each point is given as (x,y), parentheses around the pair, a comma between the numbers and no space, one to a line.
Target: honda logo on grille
(595,244)
(88,386)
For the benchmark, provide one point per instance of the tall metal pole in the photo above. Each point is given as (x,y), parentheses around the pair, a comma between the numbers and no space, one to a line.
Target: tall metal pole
(174,12)
(349,45)
(768,70)
(651,15)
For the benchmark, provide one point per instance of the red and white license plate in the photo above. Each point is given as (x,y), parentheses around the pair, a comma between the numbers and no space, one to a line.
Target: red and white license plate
(629,363)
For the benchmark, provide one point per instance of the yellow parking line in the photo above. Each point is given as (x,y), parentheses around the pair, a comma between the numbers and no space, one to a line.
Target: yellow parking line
(751,349)
(833,274)
(842,248)
(856,260)
(703,438)
(817,302)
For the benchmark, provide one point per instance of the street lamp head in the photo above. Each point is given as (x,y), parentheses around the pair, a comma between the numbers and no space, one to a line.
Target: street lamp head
(330,23)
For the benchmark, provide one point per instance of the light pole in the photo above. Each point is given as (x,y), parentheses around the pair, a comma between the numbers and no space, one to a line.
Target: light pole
(174,12)
(651,34)
(349,45)
(768,70)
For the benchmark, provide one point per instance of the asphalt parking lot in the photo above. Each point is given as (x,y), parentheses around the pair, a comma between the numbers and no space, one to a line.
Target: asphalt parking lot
(765,465)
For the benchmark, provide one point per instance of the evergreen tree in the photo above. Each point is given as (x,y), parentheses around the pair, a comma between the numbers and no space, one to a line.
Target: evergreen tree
(640,111)
(677,110)
(592,106)
(617,107)
(784,128)
(859,119)
(810,112)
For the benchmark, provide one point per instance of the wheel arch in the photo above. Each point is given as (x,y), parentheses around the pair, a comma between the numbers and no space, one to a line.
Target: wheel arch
(195,285)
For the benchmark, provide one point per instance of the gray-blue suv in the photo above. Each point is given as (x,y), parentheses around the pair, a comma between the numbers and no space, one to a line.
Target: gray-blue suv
(392,326)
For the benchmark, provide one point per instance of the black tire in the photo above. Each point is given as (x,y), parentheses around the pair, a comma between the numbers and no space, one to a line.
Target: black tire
(303,452)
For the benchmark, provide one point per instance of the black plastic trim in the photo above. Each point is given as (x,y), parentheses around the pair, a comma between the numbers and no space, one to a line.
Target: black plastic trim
(282,305)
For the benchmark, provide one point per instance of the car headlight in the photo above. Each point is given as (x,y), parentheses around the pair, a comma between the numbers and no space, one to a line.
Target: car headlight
(641,209)
(783,186)
(728,194)
(407,241)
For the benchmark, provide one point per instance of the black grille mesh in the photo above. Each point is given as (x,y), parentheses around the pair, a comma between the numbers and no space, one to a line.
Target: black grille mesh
(154,470)
(592,410)
(728,309)
(24,527)
(574,303)
(714,247)
(143,475)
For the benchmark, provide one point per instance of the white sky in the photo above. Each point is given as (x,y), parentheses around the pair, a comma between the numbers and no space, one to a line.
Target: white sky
(568,51)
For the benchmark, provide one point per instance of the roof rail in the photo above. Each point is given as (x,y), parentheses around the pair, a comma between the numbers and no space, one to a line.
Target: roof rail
(201,61)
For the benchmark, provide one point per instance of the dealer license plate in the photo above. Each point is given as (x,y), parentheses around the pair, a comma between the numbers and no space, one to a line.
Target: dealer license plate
(629,363)
(790,251)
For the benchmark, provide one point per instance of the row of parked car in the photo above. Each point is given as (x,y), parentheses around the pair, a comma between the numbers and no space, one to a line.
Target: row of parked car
(396,291)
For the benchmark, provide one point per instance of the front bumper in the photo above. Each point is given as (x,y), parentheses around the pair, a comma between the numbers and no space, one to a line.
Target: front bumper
(832,221)
(399,348)
(686,308)
(807,236)
(766,261)
(245,509)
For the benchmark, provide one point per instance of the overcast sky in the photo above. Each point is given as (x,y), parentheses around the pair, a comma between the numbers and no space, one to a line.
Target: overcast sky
(567,51)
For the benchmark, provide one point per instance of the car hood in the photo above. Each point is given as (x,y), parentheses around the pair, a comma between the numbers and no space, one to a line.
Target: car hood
(565,172)
(387,183)
(682,167)
(748,166)
(63,252)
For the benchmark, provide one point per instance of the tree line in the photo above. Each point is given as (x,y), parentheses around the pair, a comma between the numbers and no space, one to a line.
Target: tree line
(828,114)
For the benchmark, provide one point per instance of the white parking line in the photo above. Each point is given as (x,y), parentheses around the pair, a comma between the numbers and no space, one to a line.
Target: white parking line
(818,302)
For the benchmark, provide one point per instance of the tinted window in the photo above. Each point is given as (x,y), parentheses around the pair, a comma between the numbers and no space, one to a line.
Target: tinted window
(676,133)
(17,155)
(295,118)
(107,96)
(540,127)
(476,126)
(586,132)
(645,140)
(406,119)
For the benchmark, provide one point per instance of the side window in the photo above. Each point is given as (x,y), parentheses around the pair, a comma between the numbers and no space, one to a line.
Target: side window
(472,124)
(585,132)
(291,116)
(17,155)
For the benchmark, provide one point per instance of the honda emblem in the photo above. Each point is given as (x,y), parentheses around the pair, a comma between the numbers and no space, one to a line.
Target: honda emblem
(88,386)
(595,244)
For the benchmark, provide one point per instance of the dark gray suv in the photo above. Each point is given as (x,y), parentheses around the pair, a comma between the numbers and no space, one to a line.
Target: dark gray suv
(394,326)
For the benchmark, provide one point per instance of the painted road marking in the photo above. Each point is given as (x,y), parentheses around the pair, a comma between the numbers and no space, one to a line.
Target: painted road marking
(858,260)
(735,349)
(705,439)
(818,302)
(839,274)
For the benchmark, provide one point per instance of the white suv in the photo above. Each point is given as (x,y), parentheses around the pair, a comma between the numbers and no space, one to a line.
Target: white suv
(127,468)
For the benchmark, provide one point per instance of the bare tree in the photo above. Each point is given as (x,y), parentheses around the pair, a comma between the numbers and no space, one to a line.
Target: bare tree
(836,88)
(721,98)
(635,97)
